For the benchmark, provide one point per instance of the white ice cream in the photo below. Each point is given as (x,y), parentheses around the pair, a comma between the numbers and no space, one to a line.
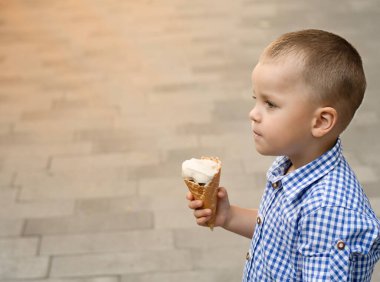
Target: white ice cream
(199,170)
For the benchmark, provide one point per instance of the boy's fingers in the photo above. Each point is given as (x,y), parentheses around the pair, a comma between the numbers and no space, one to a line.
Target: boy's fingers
(189,196)
(202,213)
(195,204)
(202,220)
(222,192)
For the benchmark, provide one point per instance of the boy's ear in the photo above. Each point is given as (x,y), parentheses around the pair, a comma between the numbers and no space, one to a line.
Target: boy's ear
(324,121)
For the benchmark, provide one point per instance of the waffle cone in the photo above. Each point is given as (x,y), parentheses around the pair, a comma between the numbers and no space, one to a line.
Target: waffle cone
(207,193)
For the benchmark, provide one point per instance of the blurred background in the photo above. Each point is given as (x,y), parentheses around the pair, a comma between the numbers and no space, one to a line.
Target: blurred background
(101,101)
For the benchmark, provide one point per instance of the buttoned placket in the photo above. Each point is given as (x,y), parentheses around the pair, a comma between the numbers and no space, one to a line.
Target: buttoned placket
(275,188)
(260,224)
(251,252)
(261,215)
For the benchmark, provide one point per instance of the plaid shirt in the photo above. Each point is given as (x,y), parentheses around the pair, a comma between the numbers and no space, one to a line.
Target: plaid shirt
(314,224)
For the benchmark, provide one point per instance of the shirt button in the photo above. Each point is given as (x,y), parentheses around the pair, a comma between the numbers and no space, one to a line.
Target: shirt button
(258,220)
(275,185)
(341,245)
(248,256)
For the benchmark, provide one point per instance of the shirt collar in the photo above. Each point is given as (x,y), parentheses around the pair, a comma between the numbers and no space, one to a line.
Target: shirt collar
(295,182)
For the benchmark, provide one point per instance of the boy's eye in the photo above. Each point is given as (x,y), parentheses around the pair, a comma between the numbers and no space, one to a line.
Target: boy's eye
(270,104)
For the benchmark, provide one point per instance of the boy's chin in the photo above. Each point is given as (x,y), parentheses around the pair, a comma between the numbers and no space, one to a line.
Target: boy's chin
(265,152)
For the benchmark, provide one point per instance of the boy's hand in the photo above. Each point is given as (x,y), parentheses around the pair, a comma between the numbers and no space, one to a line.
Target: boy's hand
(203,215)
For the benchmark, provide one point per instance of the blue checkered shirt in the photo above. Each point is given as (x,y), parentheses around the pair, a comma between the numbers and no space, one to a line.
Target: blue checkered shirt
(314,224)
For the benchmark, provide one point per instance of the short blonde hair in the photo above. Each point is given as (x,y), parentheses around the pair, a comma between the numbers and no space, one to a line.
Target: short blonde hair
(332,67)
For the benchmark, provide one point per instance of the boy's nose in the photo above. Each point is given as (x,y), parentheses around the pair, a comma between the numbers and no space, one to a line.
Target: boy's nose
(254,115)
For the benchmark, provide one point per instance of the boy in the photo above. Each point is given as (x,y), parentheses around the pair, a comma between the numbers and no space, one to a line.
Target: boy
(314,222)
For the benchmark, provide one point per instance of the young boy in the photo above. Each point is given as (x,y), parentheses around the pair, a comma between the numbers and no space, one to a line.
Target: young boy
(314,222)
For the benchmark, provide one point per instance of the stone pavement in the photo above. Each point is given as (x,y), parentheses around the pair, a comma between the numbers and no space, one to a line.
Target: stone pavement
(101,101)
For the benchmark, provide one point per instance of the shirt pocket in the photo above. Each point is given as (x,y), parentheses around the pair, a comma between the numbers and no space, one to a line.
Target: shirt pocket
(335,265)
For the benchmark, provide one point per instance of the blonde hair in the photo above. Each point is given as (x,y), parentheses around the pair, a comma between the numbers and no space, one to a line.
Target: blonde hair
(332,67)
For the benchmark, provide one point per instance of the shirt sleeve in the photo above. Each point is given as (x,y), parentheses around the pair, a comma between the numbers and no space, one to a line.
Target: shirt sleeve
(338,244)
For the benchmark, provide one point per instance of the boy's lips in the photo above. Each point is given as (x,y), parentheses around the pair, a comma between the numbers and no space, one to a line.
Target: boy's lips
(256,133)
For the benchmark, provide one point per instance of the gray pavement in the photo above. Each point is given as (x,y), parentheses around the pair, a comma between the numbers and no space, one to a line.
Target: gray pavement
(101,101)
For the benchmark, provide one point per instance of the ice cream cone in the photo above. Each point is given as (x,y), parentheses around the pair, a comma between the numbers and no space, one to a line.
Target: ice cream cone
(208,192)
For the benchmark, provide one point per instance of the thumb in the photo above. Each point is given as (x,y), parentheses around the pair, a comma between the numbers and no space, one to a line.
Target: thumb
(222,193)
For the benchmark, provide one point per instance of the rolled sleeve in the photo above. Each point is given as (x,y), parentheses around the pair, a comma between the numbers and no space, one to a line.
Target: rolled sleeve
(331,242)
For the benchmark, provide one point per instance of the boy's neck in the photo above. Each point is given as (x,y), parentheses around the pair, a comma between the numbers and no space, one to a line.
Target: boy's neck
(313,152)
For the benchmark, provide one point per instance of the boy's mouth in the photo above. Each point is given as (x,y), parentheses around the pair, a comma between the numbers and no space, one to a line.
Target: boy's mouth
(256,133)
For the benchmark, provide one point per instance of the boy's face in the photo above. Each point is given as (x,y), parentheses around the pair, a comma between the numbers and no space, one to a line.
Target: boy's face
(282,115)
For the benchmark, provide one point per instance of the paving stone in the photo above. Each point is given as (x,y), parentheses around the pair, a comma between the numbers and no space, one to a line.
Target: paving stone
(257,164)
(231,258)
(162,186)
(168,193)
(62,127)
(6,176)
(122,140)
(175,157)
(75,279)
(7,194)
(11,227)
(115,205)
(181,110)
(370,190)
(375,203)
(228,142)
(248,199)
(204,238)
(85,224)
(117,263)
(73,114)
(204,128)
(5,127)
(173,219)
(165,170)
(18,247)
(45,148)
(132,241)
(103,161)
(87,183)
(236,109)
(365,174)
(376,272)
(24,267)
(37,209)
(12,164)
(185,276)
